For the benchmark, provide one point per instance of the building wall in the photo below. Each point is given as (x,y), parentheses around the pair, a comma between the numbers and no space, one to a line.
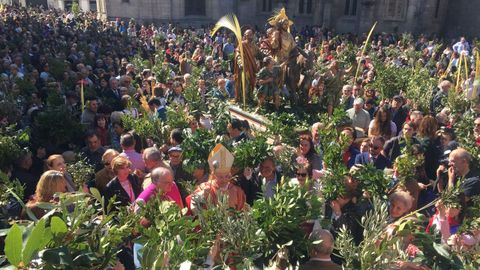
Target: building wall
(462,18)
(418,16)
(166,10)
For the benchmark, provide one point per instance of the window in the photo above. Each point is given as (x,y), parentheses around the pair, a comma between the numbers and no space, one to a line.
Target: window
(305,7)
(437,8)
(93,5)
(309,7)
(266,5)
(395,9)
(350,8)
(195,8)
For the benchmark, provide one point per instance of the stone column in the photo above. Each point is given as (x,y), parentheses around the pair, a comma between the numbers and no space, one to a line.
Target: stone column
(318,11)
(84,5)
(327,14)
(101,10)
(61,4)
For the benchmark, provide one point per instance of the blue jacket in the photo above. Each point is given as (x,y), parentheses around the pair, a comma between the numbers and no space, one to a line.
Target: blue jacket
(354,152)
(380,163)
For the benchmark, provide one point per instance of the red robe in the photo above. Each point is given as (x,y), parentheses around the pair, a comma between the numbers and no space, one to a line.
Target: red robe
(210,191)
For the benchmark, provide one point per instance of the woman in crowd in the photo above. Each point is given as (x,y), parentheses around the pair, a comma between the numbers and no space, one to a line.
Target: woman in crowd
(382,125)
(101,129)
(447,219)
(307,150)
(400,205)
(125,186)
(303,173)
(50,182)
(57,163)
(427,136)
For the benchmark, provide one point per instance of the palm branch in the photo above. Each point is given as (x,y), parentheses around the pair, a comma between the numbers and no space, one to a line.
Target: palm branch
(230,22)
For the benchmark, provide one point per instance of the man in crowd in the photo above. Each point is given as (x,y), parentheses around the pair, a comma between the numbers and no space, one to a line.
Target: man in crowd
(153,160)
(127,142)
(399,113)
(360,118)
(315,133)
(393,148)
(235,130)
(179,173)
(440,97)
(374,155)
(459,162)
(94,150)
(347,97)
(321,252)
(88,115)
(268,177)
(220,162)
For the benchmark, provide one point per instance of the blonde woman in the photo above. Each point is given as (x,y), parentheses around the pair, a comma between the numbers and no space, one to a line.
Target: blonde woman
(125,186)
(50,182)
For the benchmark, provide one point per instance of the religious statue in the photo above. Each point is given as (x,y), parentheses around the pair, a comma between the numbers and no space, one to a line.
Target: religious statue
(281,46)
(248,64)
(281,40)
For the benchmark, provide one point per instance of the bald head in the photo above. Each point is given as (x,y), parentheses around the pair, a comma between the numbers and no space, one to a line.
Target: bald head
(248,35)
(462,154)
(161,174)
(460,160)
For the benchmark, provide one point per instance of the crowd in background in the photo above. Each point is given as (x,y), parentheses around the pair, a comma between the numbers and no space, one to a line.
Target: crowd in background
(47,53)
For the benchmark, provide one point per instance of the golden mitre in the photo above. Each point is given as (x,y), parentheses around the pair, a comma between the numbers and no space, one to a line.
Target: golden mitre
(278,17)
(220,159)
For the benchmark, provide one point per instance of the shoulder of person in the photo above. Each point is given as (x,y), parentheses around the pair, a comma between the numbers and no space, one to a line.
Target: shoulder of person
(112,183)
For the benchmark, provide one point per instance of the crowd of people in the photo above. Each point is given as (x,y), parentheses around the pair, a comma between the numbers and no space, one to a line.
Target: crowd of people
(90,63)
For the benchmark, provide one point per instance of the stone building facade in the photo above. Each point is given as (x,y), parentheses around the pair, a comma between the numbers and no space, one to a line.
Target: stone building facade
(444,17)
(418,16)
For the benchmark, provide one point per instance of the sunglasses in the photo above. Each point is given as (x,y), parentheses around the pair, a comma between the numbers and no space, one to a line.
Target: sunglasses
(302,174)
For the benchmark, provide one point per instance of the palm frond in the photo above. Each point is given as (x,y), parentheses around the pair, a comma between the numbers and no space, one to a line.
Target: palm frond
(230,22)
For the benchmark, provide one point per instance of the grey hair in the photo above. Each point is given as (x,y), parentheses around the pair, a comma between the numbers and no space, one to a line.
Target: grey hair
(152,153)
(159,173)
(325,245)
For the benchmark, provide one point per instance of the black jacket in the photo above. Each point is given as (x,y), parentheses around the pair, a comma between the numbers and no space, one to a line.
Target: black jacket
(399,118)
(114,188)
(393,147)
(253,187)
(27,179)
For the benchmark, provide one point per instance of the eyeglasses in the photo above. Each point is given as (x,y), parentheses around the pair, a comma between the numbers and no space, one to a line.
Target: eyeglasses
(302,174)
